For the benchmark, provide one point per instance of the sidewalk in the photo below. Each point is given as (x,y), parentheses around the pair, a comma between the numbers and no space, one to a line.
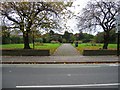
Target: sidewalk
(60,58)
(66,53)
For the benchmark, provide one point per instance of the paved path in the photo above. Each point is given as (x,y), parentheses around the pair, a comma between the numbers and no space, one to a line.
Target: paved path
(66,50)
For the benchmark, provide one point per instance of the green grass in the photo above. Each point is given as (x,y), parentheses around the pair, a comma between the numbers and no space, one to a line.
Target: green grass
(89,46)
(12,46)
(51,47)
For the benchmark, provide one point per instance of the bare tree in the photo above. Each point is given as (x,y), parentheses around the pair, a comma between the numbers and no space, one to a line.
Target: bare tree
(31,15)
(99,13)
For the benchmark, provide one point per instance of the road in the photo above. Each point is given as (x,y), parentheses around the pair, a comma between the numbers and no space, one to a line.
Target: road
(60,75)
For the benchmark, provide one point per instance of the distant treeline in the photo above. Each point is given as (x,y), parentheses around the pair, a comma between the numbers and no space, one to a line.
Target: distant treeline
(67,37)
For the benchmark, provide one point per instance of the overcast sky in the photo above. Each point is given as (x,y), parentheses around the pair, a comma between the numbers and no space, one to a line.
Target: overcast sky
(76,8)
(78,5)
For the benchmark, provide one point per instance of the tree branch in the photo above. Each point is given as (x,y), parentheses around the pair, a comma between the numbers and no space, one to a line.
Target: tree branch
(10,18)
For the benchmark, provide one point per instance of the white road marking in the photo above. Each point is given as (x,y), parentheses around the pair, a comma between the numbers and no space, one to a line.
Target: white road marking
(58,86)
(62,65)
(68,75)
(10,71)
(113,64)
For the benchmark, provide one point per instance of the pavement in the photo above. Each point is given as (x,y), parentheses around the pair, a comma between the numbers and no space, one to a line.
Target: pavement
(66,50)
(65,54)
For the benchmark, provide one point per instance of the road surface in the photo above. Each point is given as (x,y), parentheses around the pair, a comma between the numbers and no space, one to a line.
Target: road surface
(60,75)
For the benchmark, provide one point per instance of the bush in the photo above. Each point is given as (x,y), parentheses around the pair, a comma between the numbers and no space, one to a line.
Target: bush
(64,40)
(39,40)
(39,44)
(86,40)
(55,42)
(79,42)
(16,39)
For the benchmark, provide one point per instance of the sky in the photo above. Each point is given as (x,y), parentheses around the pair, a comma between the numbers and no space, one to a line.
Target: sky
(78,5)
(76,8)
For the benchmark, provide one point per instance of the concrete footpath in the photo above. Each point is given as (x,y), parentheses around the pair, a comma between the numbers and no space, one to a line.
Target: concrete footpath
(66,50)
(65,54)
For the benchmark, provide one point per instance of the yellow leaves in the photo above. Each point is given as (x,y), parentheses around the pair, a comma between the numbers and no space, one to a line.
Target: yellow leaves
(59,6)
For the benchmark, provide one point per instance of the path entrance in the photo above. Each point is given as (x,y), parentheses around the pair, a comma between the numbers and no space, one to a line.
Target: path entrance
(66,50)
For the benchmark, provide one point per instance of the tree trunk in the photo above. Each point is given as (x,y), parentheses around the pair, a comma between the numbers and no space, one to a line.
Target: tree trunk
(26,40)
(106,40)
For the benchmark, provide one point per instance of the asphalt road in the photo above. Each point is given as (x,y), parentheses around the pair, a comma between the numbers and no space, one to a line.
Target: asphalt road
(75,75)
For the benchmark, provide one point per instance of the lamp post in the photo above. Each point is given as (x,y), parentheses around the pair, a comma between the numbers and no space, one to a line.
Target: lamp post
(118,41)
(118,32)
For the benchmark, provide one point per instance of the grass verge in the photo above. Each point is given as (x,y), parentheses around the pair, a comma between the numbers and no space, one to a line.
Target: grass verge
(43,46)
(89,46)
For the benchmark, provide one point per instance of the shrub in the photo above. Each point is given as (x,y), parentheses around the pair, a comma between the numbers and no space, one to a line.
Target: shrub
(55,42)
(39,44)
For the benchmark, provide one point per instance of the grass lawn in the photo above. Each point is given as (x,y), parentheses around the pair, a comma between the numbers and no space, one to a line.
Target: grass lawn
(83,46)
(51,47)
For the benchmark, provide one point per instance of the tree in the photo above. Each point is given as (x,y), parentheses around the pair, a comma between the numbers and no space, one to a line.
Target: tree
(46,38)
(51,33)
(16,39)
(28,16)
(113,38)
(100,13)
(5,35)
(80,36)
(67,36)
(87,37)
(72,38)
(99,37)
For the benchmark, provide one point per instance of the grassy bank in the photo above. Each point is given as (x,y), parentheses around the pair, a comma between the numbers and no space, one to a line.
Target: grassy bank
(90,46)
(43,46)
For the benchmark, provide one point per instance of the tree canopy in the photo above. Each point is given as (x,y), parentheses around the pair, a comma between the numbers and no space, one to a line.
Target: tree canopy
(99,13)
(29,16)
